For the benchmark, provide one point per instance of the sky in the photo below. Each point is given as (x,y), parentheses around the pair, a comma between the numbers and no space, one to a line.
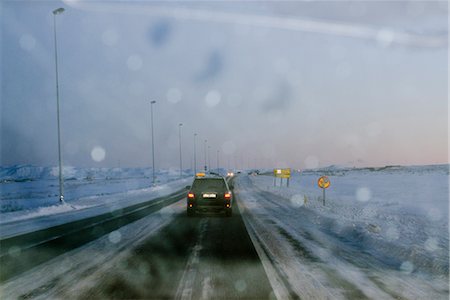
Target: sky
(266,84)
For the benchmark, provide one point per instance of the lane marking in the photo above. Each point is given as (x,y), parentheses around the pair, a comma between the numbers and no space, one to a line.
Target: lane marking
(184,290)
(279,286)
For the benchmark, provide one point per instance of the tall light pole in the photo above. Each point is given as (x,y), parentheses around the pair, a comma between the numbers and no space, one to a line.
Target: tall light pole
(206,168)
(195,155)
(209,158)
(153,141)
(181,159)
(61,180)
(218,161)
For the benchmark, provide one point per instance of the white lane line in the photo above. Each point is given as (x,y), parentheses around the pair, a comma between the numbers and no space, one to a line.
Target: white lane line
(279,288)
(206,288)
(184,290)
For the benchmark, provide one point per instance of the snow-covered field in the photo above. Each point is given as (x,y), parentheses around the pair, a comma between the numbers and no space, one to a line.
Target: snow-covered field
(382,232)
(29,195)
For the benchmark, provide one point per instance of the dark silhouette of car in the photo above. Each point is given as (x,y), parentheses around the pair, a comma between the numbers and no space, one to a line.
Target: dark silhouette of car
(209,193)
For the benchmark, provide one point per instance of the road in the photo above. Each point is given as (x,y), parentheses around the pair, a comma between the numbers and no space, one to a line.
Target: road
(208,256)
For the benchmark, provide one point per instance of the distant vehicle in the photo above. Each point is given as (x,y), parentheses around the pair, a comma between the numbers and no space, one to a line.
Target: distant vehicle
(209,193)
(230,174)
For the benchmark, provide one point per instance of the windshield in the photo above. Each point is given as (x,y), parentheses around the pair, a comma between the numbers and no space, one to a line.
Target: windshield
(315,135)
(217,185)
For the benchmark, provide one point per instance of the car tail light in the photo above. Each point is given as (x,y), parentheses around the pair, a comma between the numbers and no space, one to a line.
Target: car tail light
(191,195)
(227,195)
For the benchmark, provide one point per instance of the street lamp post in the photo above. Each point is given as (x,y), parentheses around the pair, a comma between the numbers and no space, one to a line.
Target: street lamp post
(206,168)
(209,158)
(61,180)
(181,159)
(195,155)
(218,161)
(153,142)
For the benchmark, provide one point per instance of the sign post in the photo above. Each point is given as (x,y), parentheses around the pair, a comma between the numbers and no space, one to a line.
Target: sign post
(323,183)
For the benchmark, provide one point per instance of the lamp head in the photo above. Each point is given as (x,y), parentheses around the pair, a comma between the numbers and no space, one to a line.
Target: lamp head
(58,11)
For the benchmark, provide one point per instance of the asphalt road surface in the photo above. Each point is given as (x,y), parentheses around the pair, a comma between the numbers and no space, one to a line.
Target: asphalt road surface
(204,257)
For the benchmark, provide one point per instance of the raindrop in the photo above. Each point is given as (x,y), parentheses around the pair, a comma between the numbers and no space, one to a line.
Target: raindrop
(385,37)
(134,62)
(144,269)
(363,194)
(14,251)
(115,237)
(434,214)
(240,285)
(431,244)
(407,267)
(212,98)
(98,154)
(297,200)
(392,234)
(27,42)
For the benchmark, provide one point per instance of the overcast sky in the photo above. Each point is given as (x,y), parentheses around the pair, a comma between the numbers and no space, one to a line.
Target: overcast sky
(298,84)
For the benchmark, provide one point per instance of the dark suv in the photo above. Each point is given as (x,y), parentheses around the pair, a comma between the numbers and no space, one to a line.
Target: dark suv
(209,193)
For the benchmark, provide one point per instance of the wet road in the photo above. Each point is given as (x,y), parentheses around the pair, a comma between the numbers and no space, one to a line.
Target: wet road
(192,258)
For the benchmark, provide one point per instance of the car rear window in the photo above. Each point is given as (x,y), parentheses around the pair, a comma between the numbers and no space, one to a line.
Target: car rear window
(208,184)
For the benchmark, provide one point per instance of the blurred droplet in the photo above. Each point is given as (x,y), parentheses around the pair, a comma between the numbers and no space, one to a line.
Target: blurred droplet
(407,267)
(14,251)
(297,200)
(27,42)
(134,62)
(98,154)
(431,244)
(363,194)
(174,95)
(385,37)
(434,214)
(240,285)
(115,237)
(212,98)
(392,234)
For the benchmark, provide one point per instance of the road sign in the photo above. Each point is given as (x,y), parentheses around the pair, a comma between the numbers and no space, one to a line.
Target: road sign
(323,182)
(282,173)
